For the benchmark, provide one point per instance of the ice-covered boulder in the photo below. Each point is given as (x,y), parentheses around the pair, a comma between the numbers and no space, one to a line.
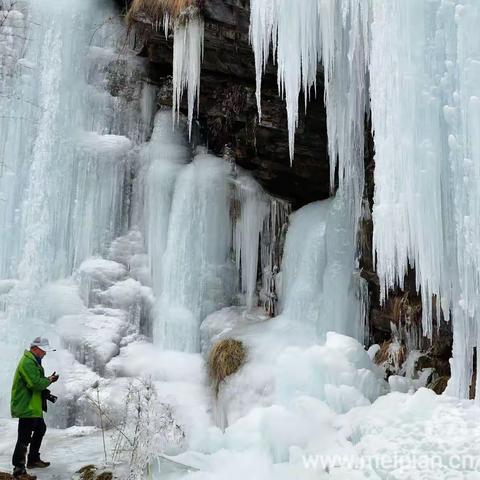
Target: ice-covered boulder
(102,270)
(93,339)
(228,322)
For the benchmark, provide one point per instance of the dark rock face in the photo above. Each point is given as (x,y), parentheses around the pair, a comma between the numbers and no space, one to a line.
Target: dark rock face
(228,109)
(123,4)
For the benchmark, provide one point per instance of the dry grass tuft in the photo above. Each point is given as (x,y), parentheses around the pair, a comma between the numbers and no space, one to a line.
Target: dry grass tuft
(226,358)
(156,9)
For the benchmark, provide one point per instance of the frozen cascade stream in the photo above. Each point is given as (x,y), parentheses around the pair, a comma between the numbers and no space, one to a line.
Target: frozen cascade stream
(209,227)
(65,142)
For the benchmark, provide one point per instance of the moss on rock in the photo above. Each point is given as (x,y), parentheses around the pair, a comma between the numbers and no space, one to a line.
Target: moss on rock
(91,472)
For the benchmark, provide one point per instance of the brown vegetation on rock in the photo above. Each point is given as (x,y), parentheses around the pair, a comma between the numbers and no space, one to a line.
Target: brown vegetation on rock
(90,472)
(226,358)
(156,9)
(439,385)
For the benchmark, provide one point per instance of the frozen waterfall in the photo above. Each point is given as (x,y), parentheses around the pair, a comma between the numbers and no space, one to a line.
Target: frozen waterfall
(65,141)
(417,62)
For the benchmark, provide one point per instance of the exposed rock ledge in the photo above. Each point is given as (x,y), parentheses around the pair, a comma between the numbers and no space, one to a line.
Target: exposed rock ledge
(228,110)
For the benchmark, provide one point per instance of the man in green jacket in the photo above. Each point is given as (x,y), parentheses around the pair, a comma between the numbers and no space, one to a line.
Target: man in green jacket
(29,391)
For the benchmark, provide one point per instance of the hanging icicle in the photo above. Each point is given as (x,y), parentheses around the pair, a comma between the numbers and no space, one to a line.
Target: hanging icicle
(188,39)
(301,33)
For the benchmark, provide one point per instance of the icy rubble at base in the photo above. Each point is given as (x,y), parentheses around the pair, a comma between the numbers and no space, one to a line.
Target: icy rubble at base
(94,338)
(142,358)
(276,375)
(276,434)
(363,444)
(102,270)
(276,431)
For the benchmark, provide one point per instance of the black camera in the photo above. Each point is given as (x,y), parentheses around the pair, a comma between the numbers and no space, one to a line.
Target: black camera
(51,398)
(47,397)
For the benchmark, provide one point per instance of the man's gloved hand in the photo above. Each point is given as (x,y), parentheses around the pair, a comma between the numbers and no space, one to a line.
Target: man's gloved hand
(53,377)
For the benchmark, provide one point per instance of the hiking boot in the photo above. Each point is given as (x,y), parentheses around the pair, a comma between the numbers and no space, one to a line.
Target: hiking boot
(23,476)
(37,464)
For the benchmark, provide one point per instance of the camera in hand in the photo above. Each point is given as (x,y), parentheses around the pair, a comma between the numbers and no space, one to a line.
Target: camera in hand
(51,398)
(47,397)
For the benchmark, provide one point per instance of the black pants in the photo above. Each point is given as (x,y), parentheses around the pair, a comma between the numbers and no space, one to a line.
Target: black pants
(30,432)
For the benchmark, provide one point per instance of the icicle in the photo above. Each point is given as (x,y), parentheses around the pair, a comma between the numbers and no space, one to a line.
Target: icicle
(187,58)
(291,28)
(300,33)
(345,32)
(261,29)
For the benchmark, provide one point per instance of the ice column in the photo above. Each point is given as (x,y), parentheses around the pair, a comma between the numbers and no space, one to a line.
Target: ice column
(162,159)
(197,276)
(319,291)
(250,213)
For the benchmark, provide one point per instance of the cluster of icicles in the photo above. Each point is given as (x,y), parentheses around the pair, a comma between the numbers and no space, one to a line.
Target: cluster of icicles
(418,63)
(188,35)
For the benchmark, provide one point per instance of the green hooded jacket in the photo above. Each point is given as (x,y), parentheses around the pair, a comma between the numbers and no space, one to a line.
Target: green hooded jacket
(28,385)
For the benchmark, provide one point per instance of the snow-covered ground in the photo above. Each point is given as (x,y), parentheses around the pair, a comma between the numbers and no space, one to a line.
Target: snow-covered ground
(295,434)
(400,436)
(68,450)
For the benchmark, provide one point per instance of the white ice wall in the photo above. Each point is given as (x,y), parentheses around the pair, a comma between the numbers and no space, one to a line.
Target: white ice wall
(64,153)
